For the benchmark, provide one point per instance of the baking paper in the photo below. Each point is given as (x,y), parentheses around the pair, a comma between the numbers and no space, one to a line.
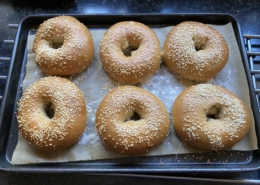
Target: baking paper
(95,83)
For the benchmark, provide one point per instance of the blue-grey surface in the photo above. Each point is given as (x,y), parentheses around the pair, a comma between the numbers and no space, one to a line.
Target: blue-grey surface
(13,11)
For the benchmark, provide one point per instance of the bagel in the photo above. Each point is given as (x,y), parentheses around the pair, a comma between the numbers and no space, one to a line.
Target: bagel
(52,114)
(63,46)
(210,117)
(130,52)
(125,135)
(195,51)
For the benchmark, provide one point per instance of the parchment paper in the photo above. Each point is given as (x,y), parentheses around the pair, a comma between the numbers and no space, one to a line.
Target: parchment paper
(95,83)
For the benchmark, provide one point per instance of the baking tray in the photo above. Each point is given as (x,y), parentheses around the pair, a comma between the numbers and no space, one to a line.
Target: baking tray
(226,161)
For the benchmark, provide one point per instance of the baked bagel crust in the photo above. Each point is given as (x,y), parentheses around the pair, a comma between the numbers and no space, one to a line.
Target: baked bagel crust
(210,117)
(195,51)
(75,50)
(131,137)
(69,119)
(143,46)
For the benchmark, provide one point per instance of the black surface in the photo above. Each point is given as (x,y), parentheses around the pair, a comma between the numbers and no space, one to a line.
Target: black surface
(247,12)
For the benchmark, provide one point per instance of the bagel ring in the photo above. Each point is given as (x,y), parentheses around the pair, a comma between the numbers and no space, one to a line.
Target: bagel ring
(210,117)
(130,52)
(195,51)
(52,114)
(127,136)
(63,46)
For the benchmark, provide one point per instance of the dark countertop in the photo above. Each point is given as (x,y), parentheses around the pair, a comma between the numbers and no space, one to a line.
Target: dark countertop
(247,13)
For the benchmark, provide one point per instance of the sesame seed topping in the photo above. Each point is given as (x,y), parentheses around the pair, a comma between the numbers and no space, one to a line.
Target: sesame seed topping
(210,117)
(52,132)
(61,43)
(145,53)
(195,51)
(131,137)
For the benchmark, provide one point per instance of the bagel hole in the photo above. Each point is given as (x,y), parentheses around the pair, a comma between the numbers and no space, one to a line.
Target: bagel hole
(214,112)
(128,51)
(134,117)
(200,45)
(49,109)
(57,42)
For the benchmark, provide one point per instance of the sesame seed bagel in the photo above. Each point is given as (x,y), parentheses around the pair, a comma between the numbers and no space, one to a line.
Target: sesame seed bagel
(122,134)
(52,114)
(210,117)
(195,51)
(130,52)
(63,46)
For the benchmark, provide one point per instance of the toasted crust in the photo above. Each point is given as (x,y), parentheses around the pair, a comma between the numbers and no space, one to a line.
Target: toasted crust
(181,43)
(73,56)
(142,63)
(129,137)
(192,114)
(69,120)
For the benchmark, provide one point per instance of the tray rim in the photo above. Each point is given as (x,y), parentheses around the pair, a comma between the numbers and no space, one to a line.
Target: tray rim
(57,167)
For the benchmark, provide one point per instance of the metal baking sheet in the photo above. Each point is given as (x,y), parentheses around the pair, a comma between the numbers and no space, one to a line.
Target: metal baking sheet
(226,161)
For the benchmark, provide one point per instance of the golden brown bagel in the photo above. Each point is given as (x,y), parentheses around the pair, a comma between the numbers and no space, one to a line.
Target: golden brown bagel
(210,117)
(130,52)
(63,46)
(52,114)
(131,137)
(195,51)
